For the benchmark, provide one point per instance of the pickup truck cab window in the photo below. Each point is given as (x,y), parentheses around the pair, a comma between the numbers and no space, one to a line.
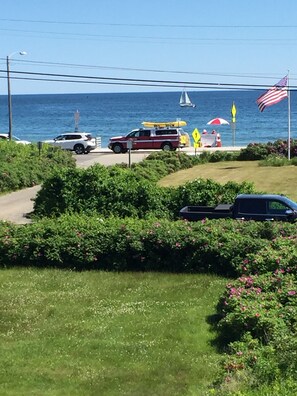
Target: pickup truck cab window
(276,207)
(139,133)
(252,206)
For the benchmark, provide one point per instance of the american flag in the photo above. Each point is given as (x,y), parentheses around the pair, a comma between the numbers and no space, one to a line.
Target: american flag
(274,95)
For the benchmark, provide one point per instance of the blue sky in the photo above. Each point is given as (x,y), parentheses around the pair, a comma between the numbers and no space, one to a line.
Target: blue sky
(184,41)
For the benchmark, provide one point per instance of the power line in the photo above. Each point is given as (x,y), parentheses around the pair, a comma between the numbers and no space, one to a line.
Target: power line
(150,24)
(193,40)
(118,68)
(198,39)
(134,81)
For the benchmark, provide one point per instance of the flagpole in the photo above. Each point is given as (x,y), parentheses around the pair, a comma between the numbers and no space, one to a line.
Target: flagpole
(289,119)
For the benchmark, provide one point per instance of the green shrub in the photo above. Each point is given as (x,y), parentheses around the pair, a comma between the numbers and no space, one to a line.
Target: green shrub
(278,255)
(254,151)
(152,170)
(173,160)
(259,319)
(110,191)
(218,156)
(85,241)
(24,166)
(274,160)
(259,151)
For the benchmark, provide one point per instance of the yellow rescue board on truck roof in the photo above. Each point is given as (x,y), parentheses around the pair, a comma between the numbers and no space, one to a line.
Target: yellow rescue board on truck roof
(152,124)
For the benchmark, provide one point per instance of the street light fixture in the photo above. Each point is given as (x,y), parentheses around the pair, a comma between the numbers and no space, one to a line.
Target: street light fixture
(8,90)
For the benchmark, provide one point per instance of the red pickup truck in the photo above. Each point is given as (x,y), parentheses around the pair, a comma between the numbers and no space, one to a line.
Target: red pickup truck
(164,138)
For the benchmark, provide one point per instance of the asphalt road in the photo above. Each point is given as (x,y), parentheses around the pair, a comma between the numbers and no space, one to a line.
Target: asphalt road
(14,206)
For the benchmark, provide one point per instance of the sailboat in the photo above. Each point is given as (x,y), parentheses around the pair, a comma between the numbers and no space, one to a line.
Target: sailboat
(185,101)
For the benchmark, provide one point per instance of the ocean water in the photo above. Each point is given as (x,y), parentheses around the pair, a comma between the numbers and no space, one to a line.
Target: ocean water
(40,117)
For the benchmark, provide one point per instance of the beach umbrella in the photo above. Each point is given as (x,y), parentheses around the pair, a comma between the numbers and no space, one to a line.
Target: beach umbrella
(218,121)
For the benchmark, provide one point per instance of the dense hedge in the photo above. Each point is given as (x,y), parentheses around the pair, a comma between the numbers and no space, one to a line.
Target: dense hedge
(121,192)
(84,242)
(259,151)
(24,166)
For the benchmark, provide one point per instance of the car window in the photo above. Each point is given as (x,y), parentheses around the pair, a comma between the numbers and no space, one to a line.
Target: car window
(60,137)
(257,206)
(145,133)
(72,137)
(133,134)
(277,207)
(166,132)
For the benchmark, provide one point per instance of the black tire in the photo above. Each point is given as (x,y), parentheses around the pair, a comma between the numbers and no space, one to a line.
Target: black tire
(79,148)
(117,148)
(167,146)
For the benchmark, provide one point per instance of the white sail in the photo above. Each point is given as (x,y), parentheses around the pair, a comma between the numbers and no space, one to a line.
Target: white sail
(185,100)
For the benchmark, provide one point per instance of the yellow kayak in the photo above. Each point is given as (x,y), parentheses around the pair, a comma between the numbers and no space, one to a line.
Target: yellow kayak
(152,124)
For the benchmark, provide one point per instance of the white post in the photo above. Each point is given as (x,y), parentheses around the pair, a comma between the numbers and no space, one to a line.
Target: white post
(9,99)
(9,93)
(289,120)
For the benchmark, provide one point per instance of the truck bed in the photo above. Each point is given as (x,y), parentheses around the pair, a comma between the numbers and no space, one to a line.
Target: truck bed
(193,213)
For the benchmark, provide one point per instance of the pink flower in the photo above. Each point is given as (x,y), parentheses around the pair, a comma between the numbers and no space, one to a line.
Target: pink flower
(291,292)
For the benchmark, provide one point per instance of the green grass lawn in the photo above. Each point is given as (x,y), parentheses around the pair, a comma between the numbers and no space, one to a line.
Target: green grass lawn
(99,333)
(269,179)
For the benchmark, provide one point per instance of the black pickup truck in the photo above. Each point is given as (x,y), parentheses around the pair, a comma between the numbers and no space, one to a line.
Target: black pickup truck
(258,207)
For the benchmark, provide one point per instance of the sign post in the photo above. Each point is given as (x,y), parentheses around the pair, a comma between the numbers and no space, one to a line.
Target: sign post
(233,122)
(196,137)
(76,121)
(129,147)
(39,145)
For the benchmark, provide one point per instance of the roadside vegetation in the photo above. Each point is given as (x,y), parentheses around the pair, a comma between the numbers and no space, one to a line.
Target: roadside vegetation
(26,166)
(125,223)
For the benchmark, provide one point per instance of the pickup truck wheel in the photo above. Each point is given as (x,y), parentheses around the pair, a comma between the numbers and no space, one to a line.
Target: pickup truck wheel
(79,148)
(166,146)
(117,148)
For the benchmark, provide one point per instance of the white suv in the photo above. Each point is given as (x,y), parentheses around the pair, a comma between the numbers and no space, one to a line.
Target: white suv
(80,142)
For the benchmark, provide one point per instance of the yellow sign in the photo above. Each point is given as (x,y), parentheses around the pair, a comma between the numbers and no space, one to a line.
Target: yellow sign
(196,145)
(233,112)
(196,135)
